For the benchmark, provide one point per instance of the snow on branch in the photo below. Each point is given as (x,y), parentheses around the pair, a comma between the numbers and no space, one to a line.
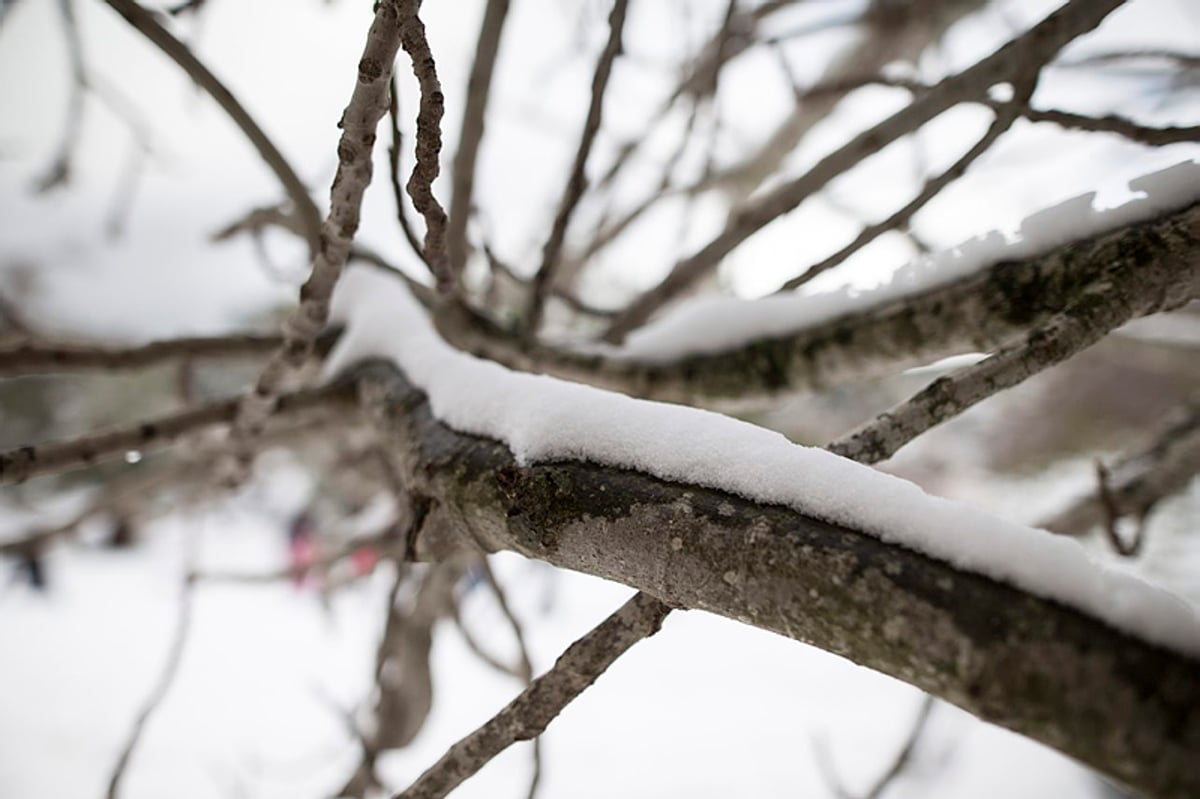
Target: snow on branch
(980,296)
(702,511)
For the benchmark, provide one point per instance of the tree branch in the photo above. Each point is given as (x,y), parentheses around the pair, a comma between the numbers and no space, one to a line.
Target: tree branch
(576,183)
(429,143)
(1020,57)
(18,465)
(38,357)
(479,87)
(177,51)
(1144,287)
(1160,467)
(979,312)
(527,716)
(1032,665)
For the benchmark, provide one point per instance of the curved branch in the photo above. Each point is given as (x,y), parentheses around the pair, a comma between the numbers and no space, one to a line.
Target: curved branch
(177,51)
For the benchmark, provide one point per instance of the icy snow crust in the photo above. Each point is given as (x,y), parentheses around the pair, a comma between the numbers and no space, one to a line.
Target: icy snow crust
(543,419)
(716,324)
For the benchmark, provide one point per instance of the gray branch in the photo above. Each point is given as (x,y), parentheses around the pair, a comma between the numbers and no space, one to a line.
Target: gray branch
(1118,703)
(980,312)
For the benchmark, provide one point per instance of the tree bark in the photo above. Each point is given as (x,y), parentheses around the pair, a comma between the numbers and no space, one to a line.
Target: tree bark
(1126,707)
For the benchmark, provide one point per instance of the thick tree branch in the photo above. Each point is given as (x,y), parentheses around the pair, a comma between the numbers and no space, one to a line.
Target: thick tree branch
(976,313)
(1119,704)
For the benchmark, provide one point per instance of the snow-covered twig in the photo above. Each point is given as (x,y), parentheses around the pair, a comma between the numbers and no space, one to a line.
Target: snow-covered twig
(177,51)
(527,716)
(742,349)
(576,183)
(1015,61)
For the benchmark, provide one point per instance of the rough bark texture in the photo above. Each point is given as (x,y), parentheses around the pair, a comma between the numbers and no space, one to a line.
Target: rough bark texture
(1126,707)
(978,313)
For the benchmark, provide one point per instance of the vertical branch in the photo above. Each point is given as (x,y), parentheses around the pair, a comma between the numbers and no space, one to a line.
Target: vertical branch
(368,103)
(573,191)
(429,142)
(394,170)
(473,122)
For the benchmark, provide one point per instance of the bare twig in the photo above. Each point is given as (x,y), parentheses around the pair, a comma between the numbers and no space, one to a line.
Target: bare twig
(895,769)
(1114,123)
(1005,116)
(44,357)
(1020,57)
(1113,514)
(527,716)
(473,122)
(576,183)
(368,103)
(429,143)
(394,171)
(1158,468)
(525,671)
(166,678)
(177,51)
(20,464)
(1099,310)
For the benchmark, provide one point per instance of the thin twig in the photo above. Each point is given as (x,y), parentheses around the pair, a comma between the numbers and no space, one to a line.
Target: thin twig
(1095,313)
(1115,123)
(1021,57)
(1156,469)
(429,143)
(394,171)
(1005,117)
(471,134)
(38,357)
(577,181)
(527,716)
(18,465)
(165,680)
(177,51)
(1113,514)
(525,671)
